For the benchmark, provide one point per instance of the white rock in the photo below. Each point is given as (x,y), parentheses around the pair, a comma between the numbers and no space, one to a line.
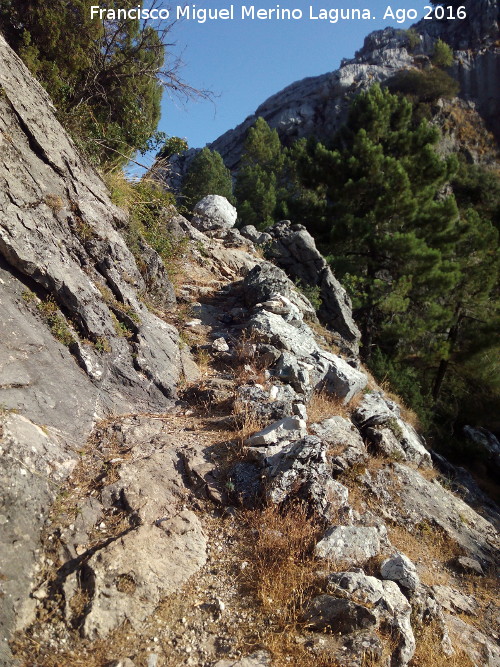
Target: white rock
(289,428)
(213,212)
(399,568)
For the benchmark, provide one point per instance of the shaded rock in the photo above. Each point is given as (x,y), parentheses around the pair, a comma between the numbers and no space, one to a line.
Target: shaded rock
(399,568)
(294,250)
(213,212)
(352,545)
(341,434)
(486,440)
(263,282)
(338,615)
(375,409)
(462,483)
(388,605)
(380,420)
(159,286)
(386,442)
(469,565)
(251,233)
(245,479)
(290,369)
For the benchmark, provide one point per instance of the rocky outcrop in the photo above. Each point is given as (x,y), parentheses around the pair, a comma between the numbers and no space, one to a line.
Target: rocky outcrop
(294,250)
(77,343)
(59,240)
(318,105)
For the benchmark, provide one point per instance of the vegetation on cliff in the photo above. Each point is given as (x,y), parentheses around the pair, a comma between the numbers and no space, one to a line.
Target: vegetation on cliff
(105,77)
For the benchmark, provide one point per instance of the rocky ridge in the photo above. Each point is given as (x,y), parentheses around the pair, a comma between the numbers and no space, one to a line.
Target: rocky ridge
(147,449)
(317,106)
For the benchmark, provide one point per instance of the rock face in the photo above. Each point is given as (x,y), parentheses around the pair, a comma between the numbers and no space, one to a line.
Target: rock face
(318,105)
(76,342)
(58,238)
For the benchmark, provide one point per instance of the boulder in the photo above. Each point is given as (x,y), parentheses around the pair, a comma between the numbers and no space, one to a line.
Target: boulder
(255,401)
(213,212)
(351,545)
(281,305)
(399,568)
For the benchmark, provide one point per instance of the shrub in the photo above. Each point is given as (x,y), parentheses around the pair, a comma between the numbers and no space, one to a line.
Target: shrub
(442,55)
(426,86)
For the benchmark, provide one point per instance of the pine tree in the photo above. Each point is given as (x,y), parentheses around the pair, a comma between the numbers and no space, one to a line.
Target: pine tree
(257,186)
(207,175)
(388,234)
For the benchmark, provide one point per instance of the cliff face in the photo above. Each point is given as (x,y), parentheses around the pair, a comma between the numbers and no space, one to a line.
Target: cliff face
(283,500)
(318,105)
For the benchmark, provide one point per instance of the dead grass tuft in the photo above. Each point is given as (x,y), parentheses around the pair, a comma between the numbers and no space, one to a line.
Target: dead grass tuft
(280,572)
(323,405)
(429,653)
(427,544)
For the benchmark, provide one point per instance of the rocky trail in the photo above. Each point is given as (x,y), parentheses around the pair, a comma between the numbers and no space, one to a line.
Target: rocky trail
(207,474)
(157,547)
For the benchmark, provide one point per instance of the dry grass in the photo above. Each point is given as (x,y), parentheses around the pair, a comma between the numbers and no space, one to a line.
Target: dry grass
(429,653)
(246,422)
(280,574)
(324,405)
(430,545)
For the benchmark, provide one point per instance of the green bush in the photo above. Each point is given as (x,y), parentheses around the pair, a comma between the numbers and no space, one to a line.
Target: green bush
(442,55)
(424,86)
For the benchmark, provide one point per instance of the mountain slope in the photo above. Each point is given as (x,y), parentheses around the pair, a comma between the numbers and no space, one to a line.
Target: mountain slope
(318,105)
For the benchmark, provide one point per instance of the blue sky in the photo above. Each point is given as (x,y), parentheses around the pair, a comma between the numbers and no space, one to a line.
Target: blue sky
(244,62)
